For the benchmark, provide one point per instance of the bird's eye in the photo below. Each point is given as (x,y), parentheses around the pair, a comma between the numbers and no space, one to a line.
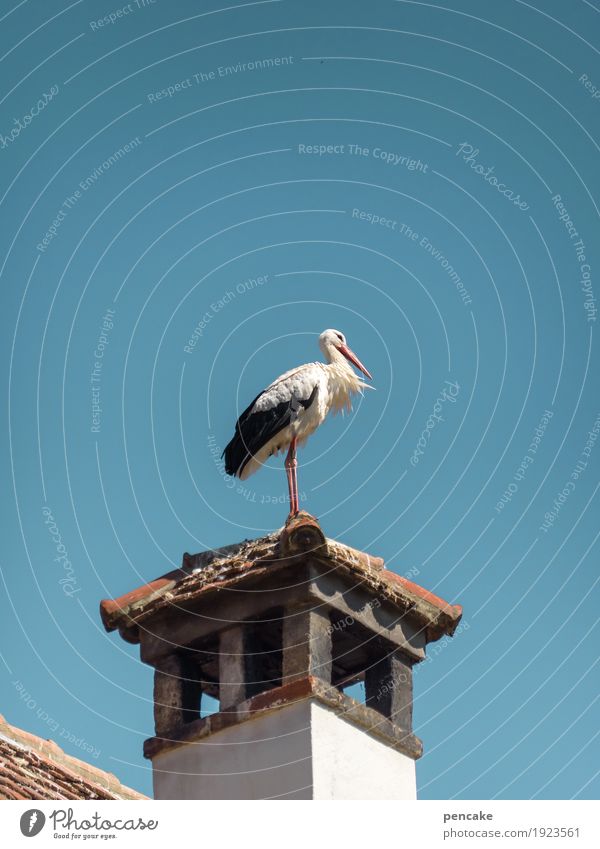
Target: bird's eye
(340,337)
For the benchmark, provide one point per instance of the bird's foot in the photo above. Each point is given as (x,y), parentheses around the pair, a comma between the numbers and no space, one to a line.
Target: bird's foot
(292,515)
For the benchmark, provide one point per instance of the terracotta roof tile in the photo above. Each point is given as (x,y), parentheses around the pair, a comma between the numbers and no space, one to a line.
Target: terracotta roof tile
(33,768)
(454,610)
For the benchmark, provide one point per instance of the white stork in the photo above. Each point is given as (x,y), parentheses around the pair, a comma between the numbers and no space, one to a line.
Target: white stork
(286,413)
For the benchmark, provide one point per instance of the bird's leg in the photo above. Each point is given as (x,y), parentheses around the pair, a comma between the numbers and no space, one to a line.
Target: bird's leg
(291,467)
(295,478)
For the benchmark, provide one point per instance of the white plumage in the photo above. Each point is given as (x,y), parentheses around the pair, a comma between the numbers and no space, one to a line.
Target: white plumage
(291,408)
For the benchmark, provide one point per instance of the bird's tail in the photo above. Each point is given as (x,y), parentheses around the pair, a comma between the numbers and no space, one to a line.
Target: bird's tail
(236,456)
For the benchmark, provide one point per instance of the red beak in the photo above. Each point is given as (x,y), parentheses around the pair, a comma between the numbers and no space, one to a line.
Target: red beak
(350,355)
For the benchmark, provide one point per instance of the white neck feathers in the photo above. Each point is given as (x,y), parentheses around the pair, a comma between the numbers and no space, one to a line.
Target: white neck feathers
(343,383)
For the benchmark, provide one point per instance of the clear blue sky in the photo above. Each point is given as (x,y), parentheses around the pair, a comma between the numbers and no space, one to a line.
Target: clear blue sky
(161,186)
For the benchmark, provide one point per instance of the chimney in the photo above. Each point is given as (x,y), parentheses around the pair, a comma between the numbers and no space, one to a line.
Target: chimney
(276,629)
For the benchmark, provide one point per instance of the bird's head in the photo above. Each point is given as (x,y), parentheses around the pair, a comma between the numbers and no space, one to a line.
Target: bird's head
(332,343)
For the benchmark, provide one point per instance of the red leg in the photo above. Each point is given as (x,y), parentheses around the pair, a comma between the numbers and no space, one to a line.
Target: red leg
(295,479)
(291,468)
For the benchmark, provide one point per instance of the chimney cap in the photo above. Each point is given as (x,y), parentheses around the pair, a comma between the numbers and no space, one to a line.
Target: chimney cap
(302,536)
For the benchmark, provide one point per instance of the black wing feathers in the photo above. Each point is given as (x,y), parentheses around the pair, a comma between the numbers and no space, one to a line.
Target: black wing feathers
(253,430)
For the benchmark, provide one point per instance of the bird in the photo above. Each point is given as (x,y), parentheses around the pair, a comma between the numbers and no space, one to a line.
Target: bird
(291,408)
